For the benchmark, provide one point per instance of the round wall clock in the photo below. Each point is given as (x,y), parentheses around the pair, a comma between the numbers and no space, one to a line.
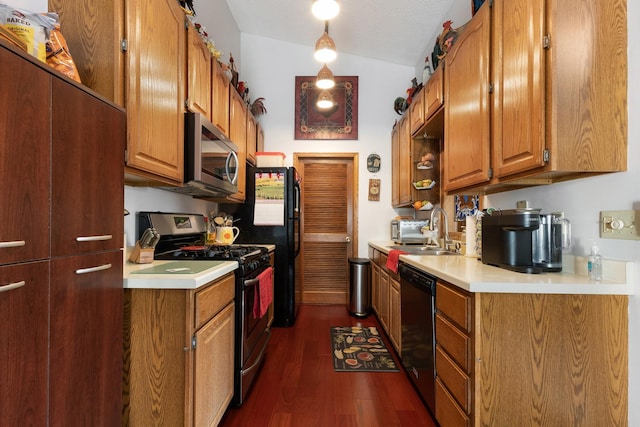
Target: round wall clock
(373,163)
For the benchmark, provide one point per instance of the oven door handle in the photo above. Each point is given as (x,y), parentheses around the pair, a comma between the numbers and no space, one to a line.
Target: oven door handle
(262,350)
(250,283)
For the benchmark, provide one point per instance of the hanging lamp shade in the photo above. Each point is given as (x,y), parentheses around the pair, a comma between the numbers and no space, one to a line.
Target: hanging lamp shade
(325,100)
(325,9)
(325,80)
(325,49)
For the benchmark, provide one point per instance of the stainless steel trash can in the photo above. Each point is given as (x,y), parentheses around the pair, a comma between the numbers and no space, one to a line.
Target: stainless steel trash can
(359,287)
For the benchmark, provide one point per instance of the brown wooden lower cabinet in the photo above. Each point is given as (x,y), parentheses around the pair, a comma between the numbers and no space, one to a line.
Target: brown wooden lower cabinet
(179,354)
(24,316)
(385,297)
(85,344)
(530,359)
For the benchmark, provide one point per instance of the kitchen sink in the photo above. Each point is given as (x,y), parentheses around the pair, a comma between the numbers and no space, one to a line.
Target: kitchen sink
(423,250)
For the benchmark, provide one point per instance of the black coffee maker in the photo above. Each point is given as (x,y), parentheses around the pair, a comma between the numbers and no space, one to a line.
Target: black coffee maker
(524,240)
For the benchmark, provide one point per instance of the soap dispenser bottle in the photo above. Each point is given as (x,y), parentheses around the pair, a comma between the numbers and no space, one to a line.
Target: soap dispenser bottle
(594,264)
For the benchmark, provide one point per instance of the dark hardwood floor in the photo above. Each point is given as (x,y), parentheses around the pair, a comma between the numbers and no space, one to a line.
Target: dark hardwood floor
(298,386)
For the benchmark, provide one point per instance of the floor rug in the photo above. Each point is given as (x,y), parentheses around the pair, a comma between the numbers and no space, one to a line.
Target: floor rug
(360,349)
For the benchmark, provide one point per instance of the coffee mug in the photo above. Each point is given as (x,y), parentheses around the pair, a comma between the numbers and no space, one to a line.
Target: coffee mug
(226,235)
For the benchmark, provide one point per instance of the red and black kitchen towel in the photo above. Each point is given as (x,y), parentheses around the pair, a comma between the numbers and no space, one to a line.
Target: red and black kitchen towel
(393,258)
(264,293)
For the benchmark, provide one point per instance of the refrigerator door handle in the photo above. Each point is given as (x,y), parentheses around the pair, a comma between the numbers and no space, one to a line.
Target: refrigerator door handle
(297,209)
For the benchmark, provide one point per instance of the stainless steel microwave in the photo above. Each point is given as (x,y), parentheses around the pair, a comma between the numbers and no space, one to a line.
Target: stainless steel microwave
(210,160)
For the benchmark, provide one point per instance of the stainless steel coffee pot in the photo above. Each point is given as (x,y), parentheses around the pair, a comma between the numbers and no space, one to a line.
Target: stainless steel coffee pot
(552,236)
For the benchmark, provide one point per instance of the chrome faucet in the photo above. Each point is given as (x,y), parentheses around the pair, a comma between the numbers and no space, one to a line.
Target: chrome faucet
(432,227)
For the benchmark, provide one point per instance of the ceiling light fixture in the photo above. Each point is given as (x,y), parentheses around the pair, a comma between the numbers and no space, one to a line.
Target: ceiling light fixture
(325,9)
(325,78)
(325,47)
(325,100)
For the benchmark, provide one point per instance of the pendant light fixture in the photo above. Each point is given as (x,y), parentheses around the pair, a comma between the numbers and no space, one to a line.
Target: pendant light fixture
(325,9)
(325,47)
(325,80)
(325,100)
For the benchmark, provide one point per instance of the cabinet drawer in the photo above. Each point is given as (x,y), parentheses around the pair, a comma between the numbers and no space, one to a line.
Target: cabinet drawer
(454,304)
(382,262)
(448,413)
(211,300)
(454,342)
(457,382)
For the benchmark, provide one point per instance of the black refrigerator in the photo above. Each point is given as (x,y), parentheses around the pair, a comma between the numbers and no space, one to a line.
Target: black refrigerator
(271,215)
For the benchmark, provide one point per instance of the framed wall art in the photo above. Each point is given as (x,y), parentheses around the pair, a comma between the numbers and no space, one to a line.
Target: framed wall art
(337,122)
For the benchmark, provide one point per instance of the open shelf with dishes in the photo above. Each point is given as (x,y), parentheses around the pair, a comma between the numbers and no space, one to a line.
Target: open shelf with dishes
(426,172)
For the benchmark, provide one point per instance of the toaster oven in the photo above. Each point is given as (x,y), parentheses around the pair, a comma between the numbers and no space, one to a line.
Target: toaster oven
(408,230)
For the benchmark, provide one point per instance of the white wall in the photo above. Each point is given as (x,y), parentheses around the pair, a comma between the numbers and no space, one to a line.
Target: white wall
(270,67)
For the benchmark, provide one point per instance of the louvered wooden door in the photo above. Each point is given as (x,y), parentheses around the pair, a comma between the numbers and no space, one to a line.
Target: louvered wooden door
(329,226)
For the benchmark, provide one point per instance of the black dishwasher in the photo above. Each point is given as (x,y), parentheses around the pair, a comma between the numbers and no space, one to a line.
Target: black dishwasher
(417,292)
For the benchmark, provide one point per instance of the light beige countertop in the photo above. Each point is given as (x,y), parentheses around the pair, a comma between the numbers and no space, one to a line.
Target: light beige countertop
(174,274)
(471,274)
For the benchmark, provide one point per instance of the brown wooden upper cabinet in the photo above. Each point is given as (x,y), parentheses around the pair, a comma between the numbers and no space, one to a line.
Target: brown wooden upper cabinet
(144,72)
(238,134)
(220,98)
(251,138)
(466,118)
(434,93)
(416,111)
(199,80)
(427,102)
(557,107)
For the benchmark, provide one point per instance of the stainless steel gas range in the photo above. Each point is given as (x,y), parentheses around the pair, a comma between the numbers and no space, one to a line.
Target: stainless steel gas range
(182,238)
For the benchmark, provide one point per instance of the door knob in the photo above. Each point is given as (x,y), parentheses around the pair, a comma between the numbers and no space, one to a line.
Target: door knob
(347,239)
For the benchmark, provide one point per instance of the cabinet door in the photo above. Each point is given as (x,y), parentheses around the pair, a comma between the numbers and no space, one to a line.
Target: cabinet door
(214,368)
(238,134)
(251,138)
(86,340)
(24,160)
(154,89)
(383,314)
(94,31)
(375,287)
(434,96)
(24,308)
(86,163)
(220,98)
(519,83)
(466,122)
(404,163)
(395,327)
(395,165)
(416,111)
(198,74)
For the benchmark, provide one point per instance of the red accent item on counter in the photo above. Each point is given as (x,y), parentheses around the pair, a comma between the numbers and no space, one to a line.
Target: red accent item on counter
(392,260)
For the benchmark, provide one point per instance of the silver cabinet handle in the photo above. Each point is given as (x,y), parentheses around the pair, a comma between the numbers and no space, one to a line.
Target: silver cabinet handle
(94,238)
(11,286)
(93,269)
(12,244)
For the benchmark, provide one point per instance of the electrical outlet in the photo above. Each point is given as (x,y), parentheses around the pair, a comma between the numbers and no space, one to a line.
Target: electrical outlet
(619,225)
(522,204)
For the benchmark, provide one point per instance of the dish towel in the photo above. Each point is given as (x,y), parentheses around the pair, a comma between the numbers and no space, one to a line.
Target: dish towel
(393,258)
(264,293)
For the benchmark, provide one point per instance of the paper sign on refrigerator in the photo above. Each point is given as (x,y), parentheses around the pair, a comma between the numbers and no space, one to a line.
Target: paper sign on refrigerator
(269,201)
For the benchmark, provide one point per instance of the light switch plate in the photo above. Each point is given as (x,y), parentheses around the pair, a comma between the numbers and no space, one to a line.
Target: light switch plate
(619,225)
